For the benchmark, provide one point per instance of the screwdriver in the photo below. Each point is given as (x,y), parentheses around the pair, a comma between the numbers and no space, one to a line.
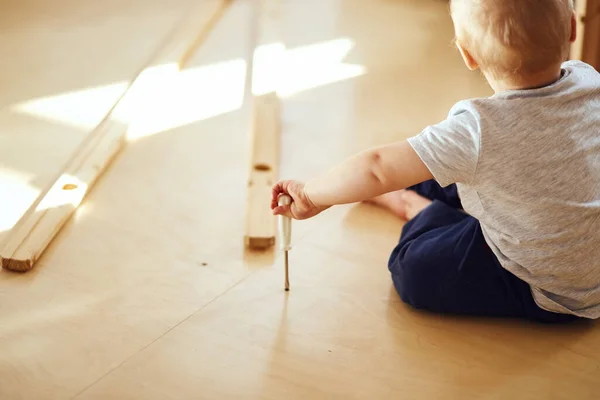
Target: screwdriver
(285,235)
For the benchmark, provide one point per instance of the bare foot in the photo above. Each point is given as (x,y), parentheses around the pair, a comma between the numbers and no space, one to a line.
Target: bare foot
(414,204)
(405,204)
(393,201)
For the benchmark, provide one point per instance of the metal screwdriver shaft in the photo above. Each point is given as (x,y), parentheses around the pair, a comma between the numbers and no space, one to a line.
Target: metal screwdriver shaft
(285,235)
(287,273)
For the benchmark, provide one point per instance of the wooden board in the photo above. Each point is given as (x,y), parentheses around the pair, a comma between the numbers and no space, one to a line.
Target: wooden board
(36,229)
(265,130)
(264,166)
(587,45)
(577,46)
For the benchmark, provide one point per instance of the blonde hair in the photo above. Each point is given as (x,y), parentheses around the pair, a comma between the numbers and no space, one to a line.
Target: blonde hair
(513,37)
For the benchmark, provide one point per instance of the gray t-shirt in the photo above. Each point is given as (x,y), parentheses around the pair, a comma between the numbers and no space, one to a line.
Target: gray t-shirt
(527,166)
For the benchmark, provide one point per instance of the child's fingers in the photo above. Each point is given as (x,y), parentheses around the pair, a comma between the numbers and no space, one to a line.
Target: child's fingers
(275,201)
(282,210)
(276,191)
(281,187)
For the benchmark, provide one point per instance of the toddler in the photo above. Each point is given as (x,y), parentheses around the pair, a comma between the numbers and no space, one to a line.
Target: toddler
(502,198)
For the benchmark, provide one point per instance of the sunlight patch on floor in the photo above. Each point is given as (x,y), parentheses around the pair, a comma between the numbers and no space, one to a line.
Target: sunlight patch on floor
(204,92)
(165,98)
(308,67)
(17,195)
(192,95)
(82,109)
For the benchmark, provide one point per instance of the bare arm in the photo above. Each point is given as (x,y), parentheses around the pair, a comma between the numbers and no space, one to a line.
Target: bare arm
(369,174)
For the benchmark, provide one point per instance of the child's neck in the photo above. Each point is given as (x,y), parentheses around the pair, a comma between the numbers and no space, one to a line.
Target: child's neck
(538,80)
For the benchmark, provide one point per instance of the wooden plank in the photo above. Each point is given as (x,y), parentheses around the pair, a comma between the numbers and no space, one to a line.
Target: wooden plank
(591,49)
(39,225)
(264,166)
(587,46)
(260,224)
(577,46)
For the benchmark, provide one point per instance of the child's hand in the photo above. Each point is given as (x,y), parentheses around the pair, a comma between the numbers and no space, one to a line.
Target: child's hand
(301,208)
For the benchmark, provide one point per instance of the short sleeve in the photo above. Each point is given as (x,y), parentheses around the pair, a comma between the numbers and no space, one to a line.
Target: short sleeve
(450,149)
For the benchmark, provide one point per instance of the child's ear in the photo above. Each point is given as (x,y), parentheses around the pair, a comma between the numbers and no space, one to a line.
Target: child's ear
(467,57)
(573,27)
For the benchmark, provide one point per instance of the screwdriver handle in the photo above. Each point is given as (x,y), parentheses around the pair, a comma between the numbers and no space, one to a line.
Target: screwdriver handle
(285,224)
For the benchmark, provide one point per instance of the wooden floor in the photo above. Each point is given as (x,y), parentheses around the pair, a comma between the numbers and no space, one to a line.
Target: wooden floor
(148,292)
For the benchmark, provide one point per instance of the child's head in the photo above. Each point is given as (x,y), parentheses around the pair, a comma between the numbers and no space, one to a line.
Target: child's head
(513,38)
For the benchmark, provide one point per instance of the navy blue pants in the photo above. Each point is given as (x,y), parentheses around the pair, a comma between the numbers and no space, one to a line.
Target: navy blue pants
(443,264)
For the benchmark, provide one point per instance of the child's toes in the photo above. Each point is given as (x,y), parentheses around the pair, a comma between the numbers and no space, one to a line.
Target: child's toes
(415,203)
